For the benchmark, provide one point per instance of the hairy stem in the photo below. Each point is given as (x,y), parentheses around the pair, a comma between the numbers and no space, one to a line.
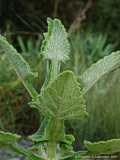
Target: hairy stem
(55,133)
(52,146)
(52,71)
(55,69)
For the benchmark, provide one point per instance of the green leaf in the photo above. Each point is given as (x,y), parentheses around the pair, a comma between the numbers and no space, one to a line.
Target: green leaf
(69,139)
(25,152)
(55,46)
(99,69)
(62,99)
(79,155)
(20,66)
(103,147)
(8,138)
(39,136)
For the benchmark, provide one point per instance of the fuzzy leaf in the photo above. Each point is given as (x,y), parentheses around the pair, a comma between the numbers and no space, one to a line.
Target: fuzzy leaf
(55,46)
(99,69)
(62,99)
(25,152)
(21,67)
(8,138)
(103,147)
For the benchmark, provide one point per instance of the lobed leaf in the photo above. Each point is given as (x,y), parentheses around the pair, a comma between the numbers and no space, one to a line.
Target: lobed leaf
(62,99)
(99,69)
(103,147)
(55,45)
(21,67)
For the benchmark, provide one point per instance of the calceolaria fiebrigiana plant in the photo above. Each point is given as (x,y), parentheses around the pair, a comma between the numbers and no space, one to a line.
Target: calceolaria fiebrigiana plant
(61,98)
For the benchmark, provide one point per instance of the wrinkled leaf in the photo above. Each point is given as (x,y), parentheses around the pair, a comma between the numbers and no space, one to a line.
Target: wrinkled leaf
(55,46)
(103,147)
(99,69)
(62,99)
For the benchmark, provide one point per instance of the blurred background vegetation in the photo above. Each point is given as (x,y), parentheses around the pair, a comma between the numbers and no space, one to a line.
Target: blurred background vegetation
(94,31)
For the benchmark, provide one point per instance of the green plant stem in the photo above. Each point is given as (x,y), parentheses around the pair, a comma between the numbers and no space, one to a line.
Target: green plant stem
(52,146)
(55,69)
(55,133)
(52,70)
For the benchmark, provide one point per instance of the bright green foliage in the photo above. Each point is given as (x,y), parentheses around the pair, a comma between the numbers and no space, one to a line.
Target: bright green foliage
(100,69)
(103,147)
(55,45)
(63,98)
(55,49)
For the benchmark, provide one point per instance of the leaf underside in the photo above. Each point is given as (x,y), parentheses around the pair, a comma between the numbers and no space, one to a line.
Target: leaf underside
(20,66)
(103,147)
(55,45)
(62,99)
(99,69)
